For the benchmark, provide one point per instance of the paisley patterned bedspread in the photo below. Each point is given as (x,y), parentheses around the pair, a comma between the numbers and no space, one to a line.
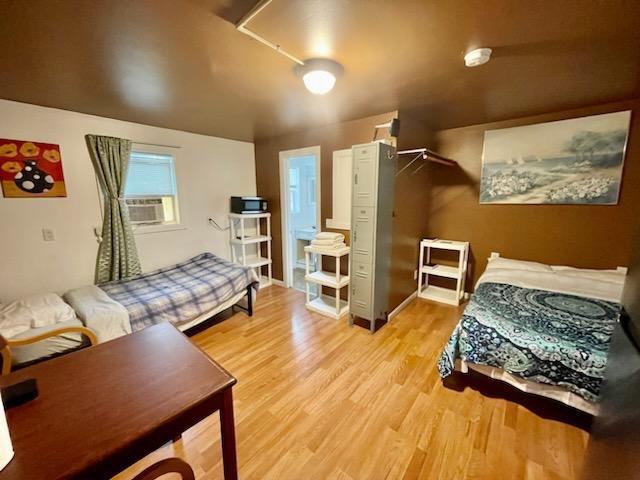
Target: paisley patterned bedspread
(541,336)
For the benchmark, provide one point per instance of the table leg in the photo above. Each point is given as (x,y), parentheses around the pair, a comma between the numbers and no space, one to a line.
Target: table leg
(228,432)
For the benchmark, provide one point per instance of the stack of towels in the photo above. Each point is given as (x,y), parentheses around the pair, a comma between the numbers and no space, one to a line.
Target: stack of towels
(328,240)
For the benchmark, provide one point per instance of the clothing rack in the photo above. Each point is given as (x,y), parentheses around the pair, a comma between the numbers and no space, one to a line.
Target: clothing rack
(425,154)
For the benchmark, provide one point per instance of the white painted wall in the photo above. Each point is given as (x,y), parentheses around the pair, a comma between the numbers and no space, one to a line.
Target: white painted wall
(209,170)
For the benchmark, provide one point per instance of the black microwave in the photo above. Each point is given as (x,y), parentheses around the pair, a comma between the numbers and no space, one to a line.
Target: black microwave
(248,205)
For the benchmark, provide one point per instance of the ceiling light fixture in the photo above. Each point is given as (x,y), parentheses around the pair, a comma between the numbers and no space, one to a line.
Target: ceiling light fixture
(318,74)
(477,57)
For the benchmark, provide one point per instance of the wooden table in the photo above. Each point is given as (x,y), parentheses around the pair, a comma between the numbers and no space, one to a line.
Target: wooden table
(103,408)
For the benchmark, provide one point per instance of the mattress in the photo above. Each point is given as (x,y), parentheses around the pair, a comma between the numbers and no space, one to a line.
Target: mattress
(538,326)
(182,292)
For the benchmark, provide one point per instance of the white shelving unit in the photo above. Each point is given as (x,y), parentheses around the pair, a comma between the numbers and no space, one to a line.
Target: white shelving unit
(333,307)
(426,269)
(246,240)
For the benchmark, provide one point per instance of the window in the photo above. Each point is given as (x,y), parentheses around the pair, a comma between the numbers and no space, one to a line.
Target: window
(150,189)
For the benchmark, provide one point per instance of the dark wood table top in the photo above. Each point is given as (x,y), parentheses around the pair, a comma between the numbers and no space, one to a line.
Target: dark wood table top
(102,408)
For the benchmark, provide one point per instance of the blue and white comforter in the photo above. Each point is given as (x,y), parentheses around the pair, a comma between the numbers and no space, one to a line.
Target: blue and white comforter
(182,292)
(542,336)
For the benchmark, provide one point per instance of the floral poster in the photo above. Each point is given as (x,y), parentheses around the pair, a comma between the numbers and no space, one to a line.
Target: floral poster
(31,169)
(576,161)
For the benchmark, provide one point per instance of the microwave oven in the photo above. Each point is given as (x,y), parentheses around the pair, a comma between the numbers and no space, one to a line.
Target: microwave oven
(248,205)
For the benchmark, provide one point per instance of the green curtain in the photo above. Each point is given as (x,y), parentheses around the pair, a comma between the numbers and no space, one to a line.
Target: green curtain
(117,254)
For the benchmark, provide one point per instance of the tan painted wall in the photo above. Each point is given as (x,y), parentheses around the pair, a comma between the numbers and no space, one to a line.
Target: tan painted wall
(410,198)
(578,235)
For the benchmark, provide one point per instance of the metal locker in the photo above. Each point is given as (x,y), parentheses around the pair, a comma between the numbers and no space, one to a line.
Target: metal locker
(363,221)
(371,228)
(364,177)
(361,290)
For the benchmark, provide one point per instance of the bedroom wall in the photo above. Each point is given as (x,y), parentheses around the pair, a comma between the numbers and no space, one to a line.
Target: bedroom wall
(411,195)
(209,170)
(577,235)
(332,137)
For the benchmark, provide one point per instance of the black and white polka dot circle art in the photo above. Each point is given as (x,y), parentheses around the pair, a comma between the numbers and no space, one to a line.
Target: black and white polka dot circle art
(33,180)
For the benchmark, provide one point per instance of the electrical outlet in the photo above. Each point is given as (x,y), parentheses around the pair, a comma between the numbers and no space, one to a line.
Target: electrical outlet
(415,274)
(48,234)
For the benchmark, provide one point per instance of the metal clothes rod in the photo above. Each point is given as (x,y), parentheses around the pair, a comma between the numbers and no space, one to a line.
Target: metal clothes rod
(431,155)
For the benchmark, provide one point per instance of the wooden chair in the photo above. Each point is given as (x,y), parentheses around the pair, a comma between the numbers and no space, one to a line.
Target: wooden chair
(168,465)
(7,344)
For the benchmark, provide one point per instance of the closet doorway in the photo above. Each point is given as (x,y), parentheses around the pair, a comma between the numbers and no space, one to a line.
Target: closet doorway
(300,209)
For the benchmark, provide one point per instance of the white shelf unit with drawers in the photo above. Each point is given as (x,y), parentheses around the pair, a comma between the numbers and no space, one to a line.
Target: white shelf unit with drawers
(458,273)
(334,307)
(371,225)
(246,239)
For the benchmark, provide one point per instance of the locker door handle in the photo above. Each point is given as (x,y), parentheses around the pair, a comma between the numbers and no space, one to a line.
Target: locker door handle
(356,179)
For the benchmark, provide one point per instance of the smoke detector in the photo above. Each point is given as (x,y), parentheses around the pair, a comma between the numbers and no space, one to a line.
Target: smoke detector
(477,57)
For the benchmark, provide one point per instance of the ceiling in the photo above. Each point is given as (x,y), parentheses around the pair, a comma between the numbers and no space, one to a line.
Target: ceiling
(181,64)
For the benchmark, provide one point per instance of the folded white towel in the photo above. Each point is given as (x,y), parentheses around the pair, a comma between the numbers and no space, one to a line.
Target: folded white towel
(328,248)
(329,236)
(327,242)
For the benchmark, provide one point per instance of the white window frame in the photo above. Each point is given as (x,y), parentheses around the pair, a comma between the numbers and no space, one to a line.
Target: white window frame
(178,224)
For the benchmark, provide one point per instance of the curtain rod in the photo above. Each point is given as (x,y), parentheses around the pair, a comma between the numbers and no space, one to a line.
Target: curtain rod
(155,144)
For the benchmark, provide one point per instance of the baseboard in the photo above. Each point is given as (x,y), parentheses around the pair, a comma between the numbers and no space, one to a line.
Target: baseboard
(403,305)
(277,282)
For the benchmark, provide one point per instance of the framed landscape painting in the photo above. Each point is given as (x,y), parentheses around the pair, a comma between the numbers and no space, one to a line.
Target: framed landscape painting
(575,161)
(31,169)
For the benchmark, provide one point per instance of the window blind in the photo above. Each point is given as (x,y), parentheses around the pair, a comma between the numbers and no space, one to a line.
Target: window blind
(150,174)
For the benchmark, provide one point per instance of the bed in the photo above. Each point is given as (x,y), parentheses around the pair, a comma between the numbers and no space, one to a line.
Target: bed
(544,329)
(185,295)
(44,326)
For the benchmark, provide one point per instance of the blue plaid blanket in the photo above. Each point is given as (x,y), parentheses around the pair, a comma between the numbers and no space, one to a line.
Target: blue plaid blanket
(182,292)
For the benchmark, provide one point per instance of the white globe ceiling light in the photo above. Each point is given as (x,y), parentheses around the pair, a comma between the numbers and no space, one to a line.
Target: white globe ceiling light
(319,82)
(319,74)
(477,57)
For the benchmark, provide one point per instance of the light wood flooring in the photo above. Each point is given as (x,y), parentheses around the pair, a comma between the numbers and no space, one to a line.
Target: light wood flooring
(317,399)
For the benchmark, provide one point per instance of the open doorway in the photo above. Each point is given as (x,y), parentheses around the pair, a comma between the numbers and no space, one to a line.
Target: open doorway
(300,207)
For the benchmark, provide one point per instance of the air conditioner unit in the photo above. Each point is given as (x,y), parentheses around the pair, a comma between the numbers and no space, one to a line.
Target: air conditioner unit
(145,210)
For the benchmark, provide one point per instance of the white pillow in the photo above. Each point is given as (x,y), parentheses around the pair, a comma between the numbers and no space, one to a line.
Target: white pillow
(509,264)
(33,312)
(613,276)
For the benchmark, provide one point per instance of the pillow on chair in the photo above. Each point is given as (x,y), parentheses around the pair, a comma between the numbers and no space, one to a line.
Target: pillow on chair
(36,311)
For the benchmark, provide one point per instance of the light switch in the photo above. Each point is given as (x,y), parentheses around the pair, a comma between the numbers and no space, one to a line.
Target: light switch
(48,234)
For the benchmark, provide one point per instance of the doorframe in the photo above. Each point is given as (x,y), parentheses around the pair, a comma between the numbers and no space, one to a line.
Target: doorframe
(284,156)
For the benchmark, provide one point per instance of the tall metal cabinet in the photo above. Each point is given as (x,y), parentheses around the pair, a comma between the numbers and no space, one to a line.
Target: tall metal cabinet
(371,225)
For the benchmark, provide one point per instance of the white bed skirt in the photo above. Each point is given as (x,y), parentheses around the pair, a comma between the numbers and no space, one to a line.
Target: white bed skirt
(549,391)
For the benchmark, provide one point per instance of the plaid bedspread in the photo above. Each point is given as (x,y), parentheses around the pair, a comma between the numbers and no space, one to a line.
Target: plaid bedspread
(182,292)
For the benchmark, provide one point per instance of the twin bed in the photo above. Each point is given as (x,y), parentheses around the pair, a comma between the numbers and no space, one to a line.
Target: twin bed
(545,330)
(185,295)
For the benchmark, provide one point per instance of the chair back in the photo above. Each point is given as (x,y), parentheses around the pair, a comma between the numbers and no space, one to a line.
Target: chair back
(168,465)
